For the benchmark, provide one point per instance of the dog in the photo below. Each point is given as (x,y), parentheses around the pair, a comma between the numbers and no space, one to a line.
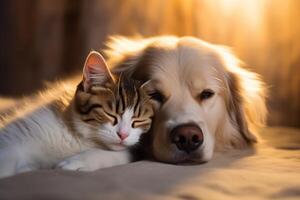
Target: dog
(205,101)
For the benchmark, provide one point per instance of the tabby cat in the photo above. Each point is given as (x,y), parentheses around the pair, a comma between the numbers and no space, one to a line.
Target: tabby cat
(87,128)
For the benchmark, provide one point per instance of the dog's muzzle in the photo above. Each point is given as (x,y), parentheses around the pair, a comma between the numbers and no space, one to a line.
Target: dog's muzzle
(187,137)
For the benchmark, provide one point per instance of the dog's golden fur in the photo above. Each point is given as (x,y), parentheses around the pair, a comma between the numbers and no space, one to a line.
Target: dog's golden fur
(180,68)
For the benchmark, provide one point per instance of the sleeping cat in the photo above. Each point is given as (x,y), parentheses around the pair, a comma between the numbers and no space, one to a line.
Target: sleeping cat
(87,128)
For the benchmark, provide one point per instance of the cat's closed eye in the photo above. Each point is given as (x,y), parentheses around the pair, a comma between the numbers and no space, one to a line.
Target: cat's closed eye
(113,118)
(140,122)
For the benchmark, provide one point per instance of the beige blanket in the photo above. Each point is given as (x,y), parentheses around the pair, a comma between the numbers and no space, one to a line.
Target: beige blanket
(269,171)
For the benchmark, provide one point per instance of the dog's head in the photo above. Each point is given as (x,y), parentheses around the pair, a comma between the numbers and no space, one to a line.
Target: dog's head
(205,101)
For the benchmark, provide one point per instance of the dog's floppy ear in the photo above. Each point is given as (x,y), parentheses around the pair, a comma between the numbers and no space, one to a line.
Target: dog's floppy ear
(246,97)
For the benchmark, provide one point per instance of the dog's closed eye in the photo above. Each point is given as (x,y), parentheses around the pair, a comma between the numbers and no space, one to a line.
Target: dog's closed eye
(206,94)
(157,96)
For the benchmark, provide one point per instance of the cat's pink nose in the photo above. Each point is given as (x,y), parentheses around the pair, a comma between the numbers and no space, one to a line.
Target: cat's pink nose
(123,134)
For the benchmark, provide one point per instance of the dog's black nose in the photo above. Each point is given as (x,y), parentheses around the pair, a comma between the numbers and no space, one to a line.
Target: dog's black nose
(187,137)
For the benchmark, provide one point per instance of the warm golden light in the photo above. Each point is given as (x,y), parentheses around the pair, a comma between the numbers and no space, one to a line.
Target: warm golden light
(48,40)
(248,11)
(54,37)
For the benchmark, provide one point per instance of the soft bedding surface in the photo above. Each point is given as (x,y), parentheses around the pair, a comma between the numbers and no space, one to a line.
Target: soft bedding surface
(271,170)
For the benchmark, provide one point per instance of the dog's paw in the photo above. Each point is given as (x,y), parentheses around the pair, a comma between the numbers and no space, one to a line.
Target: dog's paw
(77,163)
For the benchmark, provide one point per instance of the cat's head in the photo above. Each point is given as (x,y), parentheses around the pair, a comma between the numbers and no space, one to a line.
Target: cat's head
(113,112)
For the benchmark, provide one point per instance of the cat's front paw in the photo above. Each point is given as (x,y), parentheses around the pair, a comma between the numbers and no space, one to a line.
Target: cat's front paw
(74,163)
(94,159)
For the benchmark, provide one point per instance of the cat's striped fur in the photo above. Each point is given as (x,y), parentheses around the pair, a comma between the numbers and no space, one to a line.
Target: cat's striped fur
(74,128)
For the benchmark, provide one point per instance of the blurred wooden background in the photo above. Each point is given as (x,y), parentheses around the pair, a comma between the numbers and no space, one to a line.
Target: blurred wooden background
(48,39)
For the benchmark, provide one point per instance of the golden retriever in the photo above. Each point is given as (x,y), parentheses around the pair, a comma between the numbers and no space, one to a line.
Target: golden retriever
(204,100)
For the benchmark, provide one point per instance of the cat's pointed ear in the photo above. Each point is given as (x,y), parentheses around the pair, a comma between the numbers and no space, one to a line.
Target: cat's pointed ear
(95,71)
